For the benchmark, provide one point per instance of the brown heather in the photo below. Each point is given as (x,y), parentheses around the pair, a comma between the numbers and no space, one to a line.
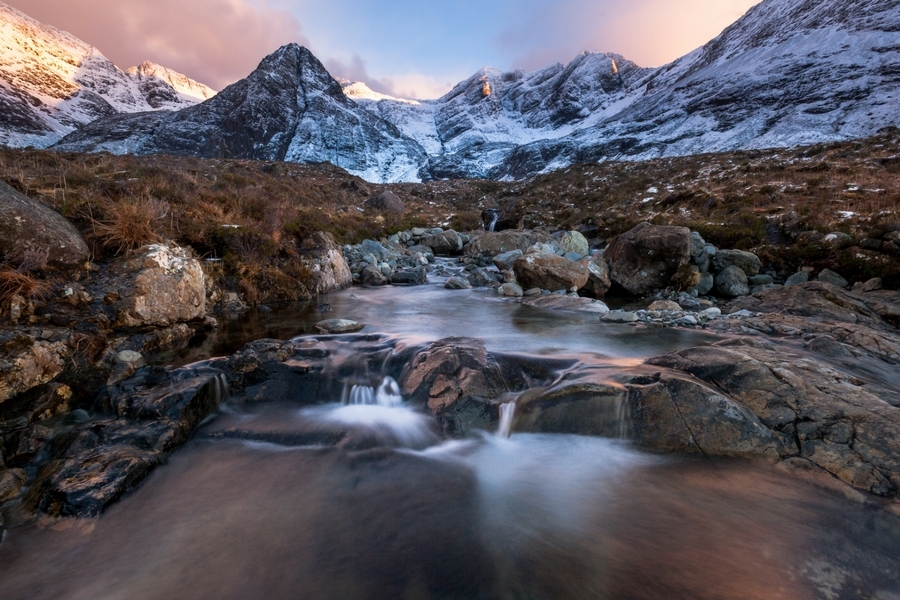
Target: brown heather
(254,215)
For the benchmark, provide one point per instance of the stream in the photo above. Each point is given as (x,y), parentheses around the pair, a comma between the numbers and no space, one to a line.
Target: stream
(259,505)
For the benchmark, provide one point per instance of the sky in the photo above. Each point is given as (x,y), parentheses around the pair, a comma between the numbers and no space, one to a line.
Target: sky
(405,48)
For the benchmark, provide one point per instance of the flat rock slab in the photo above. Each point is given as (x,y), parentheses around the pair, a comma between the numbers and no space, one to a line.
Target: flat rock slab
(568,303)
(339,326)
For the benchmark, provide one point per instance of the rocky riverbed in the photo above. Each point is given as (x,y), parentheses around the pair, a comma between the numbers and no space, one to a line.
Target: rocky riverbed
(655,337)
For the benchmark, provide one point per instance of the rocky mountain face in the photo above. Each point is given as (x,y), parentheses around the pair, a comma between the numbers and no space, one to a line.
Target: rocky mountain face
(51,83)
(288,109)
(789,72)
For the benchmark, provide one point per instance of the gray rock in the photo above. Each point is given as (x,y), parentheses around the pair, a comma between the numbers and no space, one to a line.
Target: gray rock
(505,261)
(573,256)
(707,282)
(372,247)
(417,276)
(484,277)
(620,316)
(325,262)
(837,239)
(747,262)
(339,326)
(458,283)
(732,282)
(445,243)
(829,276)
(868,286)
(797,278)
(664,305)
(373,276)
(686,321)
(598,282)
(710,313)
(513,290)
(759,280)
(699,255)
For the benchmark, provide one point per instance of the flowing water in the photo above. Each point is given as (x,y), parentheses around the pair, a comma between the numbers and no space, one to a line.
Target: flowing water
(362,497)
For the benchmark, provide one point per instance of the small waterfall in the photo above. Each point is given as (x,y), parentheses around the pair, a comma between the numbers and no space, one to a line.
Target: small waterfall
(507,412)
(623,418)
(489,218)
(494,222)
(220,388)
(386,394)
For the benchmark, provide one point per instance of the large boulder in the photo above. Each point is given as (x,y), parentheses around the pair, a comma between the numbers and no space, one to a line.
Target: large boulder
(446,243)
(549,272)
(812,411)
(26,224)
(645,258)
(326,263)
(161,286)
(458,380)
(387,202)
(491,244)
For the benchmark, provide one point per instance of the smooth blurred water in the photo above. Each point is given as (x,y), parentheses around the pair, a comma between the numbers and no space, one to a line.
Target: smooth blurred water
(362,497)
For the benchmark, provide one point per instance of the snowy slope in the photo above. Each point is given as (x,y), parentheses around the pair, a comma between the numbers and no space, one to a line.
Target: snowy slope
(289,109)
(51,83)
(789,72)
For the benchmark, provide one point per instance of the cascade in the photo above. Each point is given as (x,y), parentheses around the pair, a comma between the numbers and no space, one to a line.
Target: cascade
(507,412)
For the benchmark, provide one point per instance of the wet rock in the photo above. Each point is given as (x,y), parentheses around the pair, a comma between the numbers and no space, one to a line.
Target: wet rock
(747,262)
(26,361)
(339,326)
(458,283)
(620,316)
(574,242)
(645,258)
(598,282)
(512,290)
(458,380)
(575,407)
(568,303)
(677,413)
(417,276)
(325,261)
(491,244)
(550,272)
(505,261)
(165,285)
(829,276)
(810,409)
(484,277)
(446,243)
(28,225)
(11,482)
(732,282)
(373,276)
(387,202)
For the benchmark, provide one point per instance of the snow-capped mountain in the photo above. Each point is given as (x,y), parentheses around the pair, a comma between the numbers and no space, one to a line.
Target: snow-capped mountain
(288,109)
(51,83)
(789,72)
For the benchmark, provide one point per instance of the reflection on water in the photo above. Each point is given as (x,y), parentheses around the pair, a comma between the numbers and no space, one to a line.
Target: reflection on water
(428,313)
(531,516)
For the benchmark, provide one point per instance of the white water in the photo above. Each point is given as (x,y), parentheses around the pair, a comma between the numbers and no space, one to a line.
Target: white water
(507,412)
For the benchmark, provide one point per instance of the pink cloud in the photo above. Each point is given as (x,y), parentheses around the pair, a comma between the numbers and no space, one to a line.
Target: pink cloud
(215,42)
